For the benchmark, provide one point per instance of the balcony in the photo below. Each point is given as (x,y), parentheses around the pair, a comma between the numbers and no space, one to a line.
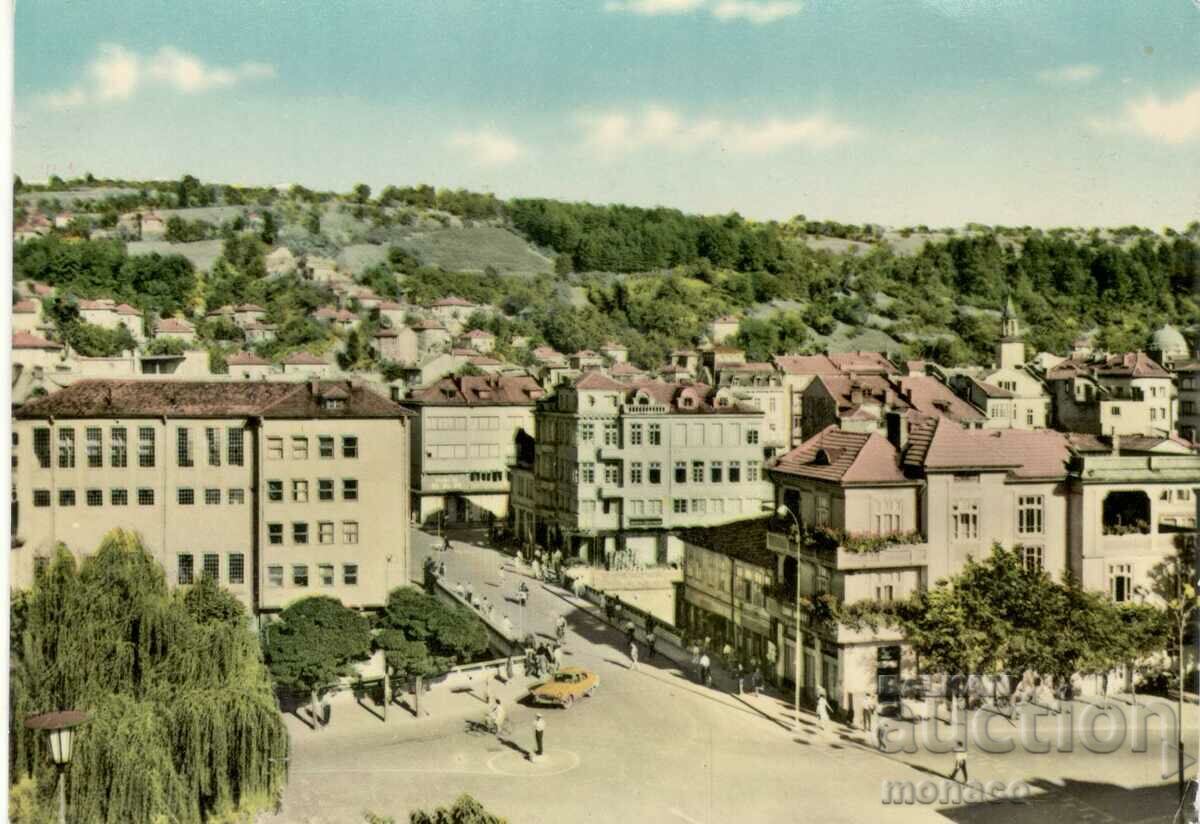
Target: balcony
(849,551)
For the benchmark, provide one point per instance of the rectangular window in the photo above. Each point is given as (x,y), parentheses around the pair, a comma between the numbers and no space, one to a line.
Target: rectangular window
(1029,417)
(212,437)
(145,447)
(635,434)
(95,448)
(349,532)
(884,593)
(300,492)
(349,489)
(349,446)
(237,568)
(716,471)
(119,448)
(212,497)
(1120,582)
(275,533)
(610,434)
(325,489)
(965,517)
(635,473)
(326,573)
(237,496)
(95,497)
(587,473)
(1031,556)
(655,434)
(679,505)
(655,472)
(212,566)
(275,491)
(752,436)
(699,505)
(185,569)
(41,497)
(183,447)
(300,575)
(735,472)
(299,448)
(587,432)
(752,468)
(185,496)
(41,446)
(299,533)
(275,449)
(680,472)
(66,497)
(235,445)
(275,575)
(325,446)
(66,449)
(350,574)
(325,532)
(1029,514)
(145,497)
(612,474)
(697,472)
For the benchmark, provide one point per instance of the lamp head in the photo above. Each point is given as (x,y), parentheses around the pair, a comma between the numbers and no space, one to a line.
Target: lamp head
(782,511)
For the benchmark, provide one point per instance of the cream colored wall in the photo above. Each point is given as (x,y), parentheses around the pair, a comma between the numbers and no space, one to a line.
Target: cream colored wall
(26,322)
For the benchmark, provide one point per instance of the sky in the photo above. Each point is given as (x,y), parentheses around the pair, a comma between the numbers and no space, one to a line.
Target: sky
(942,112)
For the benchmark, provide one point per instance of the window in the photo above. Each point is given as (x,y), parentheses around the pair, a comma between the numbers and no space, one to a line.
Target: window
(300,575)
(655,434)
(699,505)
(299,448)
(886,516)
(145,497)
(965,518)
(299,533)
(1031,556)
(41,497)
(680,472)
(635,434)
(350,574)
(66,449)
(349,489)
(610,434)
(119,450)
(654,507)
(325,446)
(95,448)
(349,446)
(752,468)
(185,569)
(635,473)
(1189,408)
(185,496)
(275,449)
(325,532)
(212,497)
(275,575)
(94,497)
(275,491)
(587,472)
(349,532)
(884,592)
(237,496)
(612,474)
(716,471)
(735,472)
(275,533)
(1029,515)
(145,447)
(752,436)
(697,472)
(212,566)
(1029,417)
(325,489)
(66,497)
(300,492)
(235,445)
(587,432)
(41,446)
(1120,582)
(1116,411)
(679,504)
(212,437)
(237,568)
(183,447)
(655,472)
(326,573)
(822,510)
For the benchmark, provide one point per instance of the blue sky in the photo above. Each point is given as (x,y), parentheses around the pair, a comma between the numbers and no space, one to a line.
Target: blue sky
(923,111)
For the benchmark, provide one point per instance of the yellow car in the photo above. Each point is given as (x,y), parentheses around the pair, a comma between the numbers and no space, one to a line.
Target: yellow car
(565,686)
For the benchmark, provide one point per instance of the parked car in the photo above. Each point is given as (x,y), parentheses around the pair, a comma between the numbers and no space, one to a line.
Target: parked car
(565,686)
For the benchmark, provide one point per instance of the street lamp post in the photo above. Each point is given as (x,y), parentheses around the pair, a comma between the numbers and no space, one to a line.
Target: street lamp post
(61,729)
(799,650)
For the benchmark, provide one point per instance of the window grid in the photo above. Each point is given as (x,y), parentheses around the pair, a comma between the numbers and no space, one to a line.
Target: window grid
(275,575)
(183,447)
(118,448)
(95,497)
(350,532)
(350,574)
(349,446)
(300,492)
(300,575)
(41,497)
(66,497)
(237,496)
(212,497)
(275,533)
(145,497)
(213,436)
(41,446)
(212,566)
(235,446)
(118,497)
(146,447)
(237,568)
(186,568)
(66,449)
(325,446)
(299,448)
(299,532)
(325,532)
(275,491)
(185,496)
(326,573)
(349,489)
(95,447)
(325,490)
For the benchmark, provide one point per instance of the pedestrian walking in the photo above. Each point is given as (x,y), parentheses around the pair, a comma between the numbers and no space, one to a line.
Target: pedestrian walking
(459,590)
(539,732)
(446,544)
(442,569)
(508,627)
(705,667)
(696,659)
(822,710)
(501,718)
(960,761)
(727,656)
(868,710)
(633,655)
(537,569)
(741,677)
(560,628)
(651,641)
(757,680)
(558,656)
(630,632)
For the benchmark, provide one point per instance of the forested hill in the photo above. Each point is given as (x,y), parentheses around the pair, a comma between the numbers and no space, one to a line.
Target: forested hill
(575,274)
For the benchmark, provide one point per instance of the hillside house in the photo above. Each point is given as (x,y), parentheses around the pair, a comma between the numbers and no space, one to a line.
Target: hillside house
(176,329)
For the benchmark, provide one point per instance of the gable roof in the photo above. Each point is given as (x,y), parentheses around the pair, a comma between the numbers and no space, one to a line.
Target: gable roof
(428,325)
(843,457)
(806,364)
(26,340)
(1122,365)
(598,380)
(937,443)
(862,362)
(991,390)
(126,309)
(930,396)
(173,325)
(480,390)
(246,359)
(25,307)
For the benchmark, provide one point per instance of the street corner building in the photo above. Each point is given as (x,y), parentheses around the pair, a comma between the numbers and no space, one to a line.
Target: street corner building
(275,490)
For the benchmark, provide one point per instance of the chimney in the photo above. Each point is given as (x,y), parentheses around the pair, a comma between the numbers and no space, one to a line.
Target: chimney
(856,395)
(897,430)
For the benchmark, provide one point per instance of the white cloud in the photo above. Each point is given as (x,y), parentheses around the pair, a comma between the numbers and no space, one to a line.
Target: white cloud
(659,127)
(488,147)
(1169,121)
(117,74)
(1078,73)
(758,12)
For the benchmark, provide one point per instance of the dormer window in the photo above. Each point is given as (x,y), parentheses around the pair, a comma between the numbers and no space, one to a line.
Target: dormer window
(332,404)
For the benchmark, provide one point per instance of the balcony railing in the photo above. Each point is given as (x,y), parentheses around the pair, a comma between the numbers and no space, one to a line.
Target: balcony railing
(831,539)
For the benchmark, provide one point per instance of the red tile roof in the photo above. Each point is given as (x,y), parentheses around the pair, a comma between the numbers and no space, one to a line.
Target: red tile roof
(478,333)
(806,365)
(480,390)
(100,303)
(173,325)
(246,359)
(126,309)
(863,362)
(25,340)
(930,396)
(625,368)
(991,390)
(598,380)
(844,457)
(1127,365)
(392,305)
(25,307)
(941,444)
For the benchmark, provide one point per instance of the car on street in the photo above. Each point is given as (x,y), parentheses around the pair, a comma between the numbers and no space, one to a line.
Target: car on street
(565,686)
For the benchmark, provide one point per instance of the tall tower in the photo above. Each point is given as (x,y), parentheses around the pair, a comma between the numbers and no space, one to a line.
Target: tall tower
(1010,351)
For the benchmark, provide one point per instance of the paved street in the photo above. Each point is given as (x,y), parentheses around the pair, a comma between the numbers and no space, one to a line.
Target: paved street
(651,745)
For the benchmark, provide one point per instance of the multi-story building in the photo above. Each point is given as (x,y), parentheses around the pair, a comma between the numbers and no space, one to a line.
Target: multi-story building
(1125,394)
(1011,393)
(760,386)
(799,371)
(276,490)
(463,441)
(619,466)
(1188,375)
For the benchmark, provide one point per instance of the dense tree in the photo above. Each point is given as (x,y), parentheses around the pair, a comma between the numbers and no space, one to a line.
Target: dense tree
(465,810)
